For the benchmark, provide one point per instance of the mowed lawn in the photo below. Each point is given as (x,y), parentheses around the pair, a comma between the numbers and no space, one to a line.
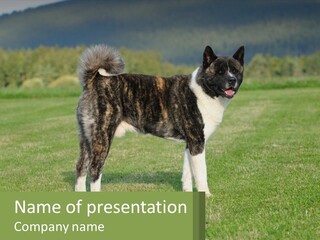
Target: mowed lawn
(263,162)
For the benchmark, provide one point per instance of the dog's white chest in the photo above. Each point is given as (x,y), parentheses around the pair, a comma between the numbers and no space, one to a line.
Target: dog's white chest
(212,113)
(211,109)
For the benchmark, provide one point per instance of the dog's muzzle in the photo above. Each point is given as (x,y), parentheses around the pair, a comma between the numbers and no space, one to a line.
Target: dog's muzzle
(231,87)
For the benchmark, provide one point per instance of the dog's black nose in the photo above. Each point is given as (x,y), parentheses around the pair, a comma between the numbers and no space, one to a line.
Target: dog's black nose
(232,80)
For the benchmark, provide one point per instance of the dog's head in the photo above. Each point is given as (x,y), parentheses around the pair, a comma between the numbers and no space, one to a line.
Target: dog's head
(221,76)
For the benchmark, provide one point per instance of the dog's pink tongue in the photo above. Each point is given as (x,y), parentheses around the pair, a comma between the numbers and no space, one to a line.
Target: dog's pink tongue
(229,92)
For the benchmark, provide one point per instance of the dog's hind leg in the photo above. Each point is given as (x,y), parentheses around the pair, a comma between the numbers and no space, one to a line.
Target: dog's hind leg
(100,149)
(100,145)
(82,166)
(187,173)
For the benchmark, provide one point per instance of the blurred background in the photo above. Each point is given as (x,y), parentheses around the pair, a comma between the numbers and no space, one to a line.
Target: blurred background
(40,41)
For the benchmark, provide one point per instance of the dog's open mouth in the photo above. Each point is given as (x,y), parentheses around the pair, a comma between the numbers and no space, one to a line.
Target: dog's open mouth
(230,92)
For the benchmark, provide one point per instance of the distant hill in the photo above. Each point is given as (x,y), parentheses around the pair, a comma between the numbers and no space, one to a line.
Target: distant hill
(178,29)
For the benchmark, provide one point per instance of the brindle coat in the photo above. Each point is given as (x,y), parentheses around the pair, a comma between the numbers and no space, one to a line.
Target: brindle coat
(166,107)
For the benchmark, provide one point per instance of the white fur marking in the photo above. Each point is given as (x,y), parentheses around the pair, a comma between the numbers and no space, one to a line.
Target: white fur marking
(187,174)
(199,170)
(230,74)
(211,109)
(96,186)
(175,139)
(104,73)
(87,122)
(123,128)
(81,184)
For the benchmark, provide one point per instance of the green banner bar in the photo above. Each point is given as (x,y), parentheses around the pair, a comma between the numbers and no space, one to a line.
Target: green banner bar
(199,216)
(102,216)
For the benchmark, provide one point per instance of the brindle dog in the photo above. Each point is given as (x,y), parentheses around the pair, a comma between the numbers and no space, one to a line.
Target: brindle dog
(185,108)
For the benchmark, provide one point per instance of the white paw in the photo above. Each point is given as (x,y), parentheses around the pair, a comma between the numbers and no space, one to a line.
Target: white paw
(208,194)
(187,186)
(96,186)
(79,188)
(187,189)
(80,184)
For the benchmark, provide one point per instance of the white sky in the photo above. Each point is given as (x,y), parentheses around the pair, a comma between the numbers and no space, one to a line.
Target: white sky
(8,6)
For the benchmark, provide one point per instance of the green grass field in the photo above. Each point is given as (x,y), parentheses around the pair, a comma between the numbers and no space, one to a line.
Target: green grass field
(263,162)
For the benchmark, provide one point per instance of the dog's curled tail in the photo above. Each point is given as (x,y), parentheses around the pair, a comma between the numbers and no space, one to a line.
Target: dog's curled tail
(99,58)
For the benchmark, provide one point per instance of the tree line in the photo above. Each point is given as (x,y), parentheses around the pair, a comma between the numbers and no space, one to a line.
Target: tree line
(266,66)
(57,67)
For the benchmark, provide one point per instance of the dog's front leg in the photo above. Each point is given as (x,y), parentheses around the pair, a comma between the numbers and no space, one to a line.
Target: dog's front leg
(187,174)
(199,170)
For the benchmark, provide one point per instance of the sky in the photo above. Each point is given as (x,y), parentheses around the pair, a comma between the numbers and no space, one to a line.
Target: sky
(8,6)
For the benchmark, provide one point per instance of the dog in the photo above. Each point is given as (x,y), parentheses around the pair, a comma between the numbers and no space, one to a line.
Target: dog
(184,108)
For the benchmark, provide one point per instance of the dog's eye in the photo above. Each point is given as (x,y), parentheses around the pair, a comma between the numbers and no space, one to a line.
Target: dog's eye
(234,70)
(221,71)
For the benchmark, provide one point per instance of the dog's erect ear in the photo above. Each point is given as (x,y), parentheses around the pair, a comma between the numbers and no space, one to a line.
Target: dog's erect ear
(208,57)
(239,55)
